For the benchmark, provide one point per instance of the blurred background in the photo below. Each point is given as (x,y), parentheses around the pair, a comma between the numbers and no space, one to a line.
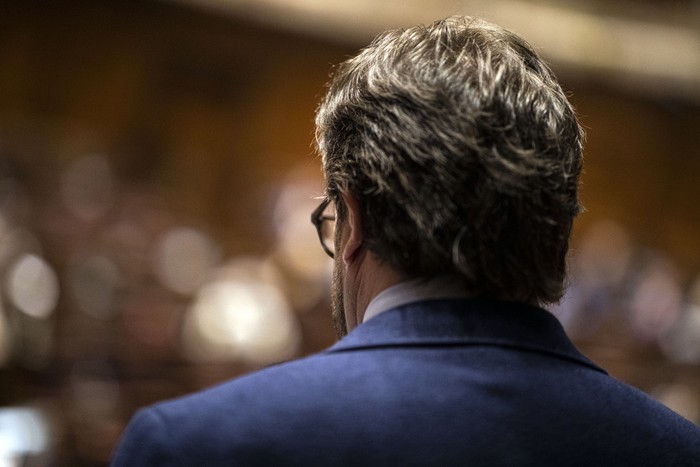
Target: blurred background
(157,176)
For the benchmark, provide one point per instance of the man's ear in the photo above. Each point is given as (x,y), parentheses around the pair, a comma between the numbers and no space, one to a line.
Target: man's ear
(355,236)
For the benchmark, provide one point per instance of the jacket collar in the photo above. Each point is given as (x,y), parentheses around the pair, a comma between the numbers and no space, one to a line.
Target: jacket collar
(458,322)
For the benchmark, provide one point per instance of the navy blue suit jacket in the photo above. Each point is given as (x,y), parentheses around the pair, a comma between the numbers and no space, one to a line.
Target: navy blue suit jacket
(442,382)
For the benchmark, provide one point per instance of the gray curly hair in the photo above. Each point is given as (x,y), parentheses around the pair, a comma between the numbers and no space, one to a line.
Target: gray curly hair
(463,153)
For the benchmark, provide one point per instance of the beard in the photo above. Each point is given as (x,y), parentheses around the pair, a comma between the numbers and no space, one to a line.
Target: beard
(337,301)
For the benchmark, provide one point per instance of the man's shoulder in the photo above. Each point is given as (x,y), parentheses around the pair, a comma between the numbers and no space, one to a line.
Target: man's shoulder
(464,378)
(257,388)
(210,424)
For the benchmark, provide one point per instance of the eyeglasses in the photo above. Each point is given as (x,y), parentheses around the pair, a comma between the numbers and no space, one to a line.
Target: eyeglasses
(325,226)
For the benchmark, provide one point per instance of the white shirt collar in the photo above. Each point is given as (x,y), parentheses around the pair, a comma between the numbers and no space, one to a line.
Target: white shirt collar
(416,290)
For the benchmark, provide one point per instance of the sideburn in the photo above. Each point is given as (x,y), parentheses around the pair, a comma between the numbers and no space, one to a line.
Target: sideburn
(337,301)
(337,291)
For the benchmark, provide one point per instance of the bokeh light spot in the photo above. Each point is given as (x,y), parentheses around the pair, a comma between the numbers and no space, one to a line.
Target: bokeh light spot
(184,259)
(32,286)
(245,319)
(23,431)
(681,343)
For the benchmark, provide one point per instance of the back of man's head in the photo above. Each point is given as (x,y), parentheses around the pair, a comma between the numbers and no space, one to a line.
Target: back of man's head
(463,153)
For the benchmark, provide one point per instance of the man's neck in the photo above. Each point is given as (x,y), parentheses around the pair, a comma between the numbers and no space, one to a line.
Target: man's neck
(368,279)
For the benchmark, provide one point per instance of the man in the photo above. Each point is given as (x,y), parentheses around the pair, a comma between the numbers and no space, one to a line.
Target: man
(451,158)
